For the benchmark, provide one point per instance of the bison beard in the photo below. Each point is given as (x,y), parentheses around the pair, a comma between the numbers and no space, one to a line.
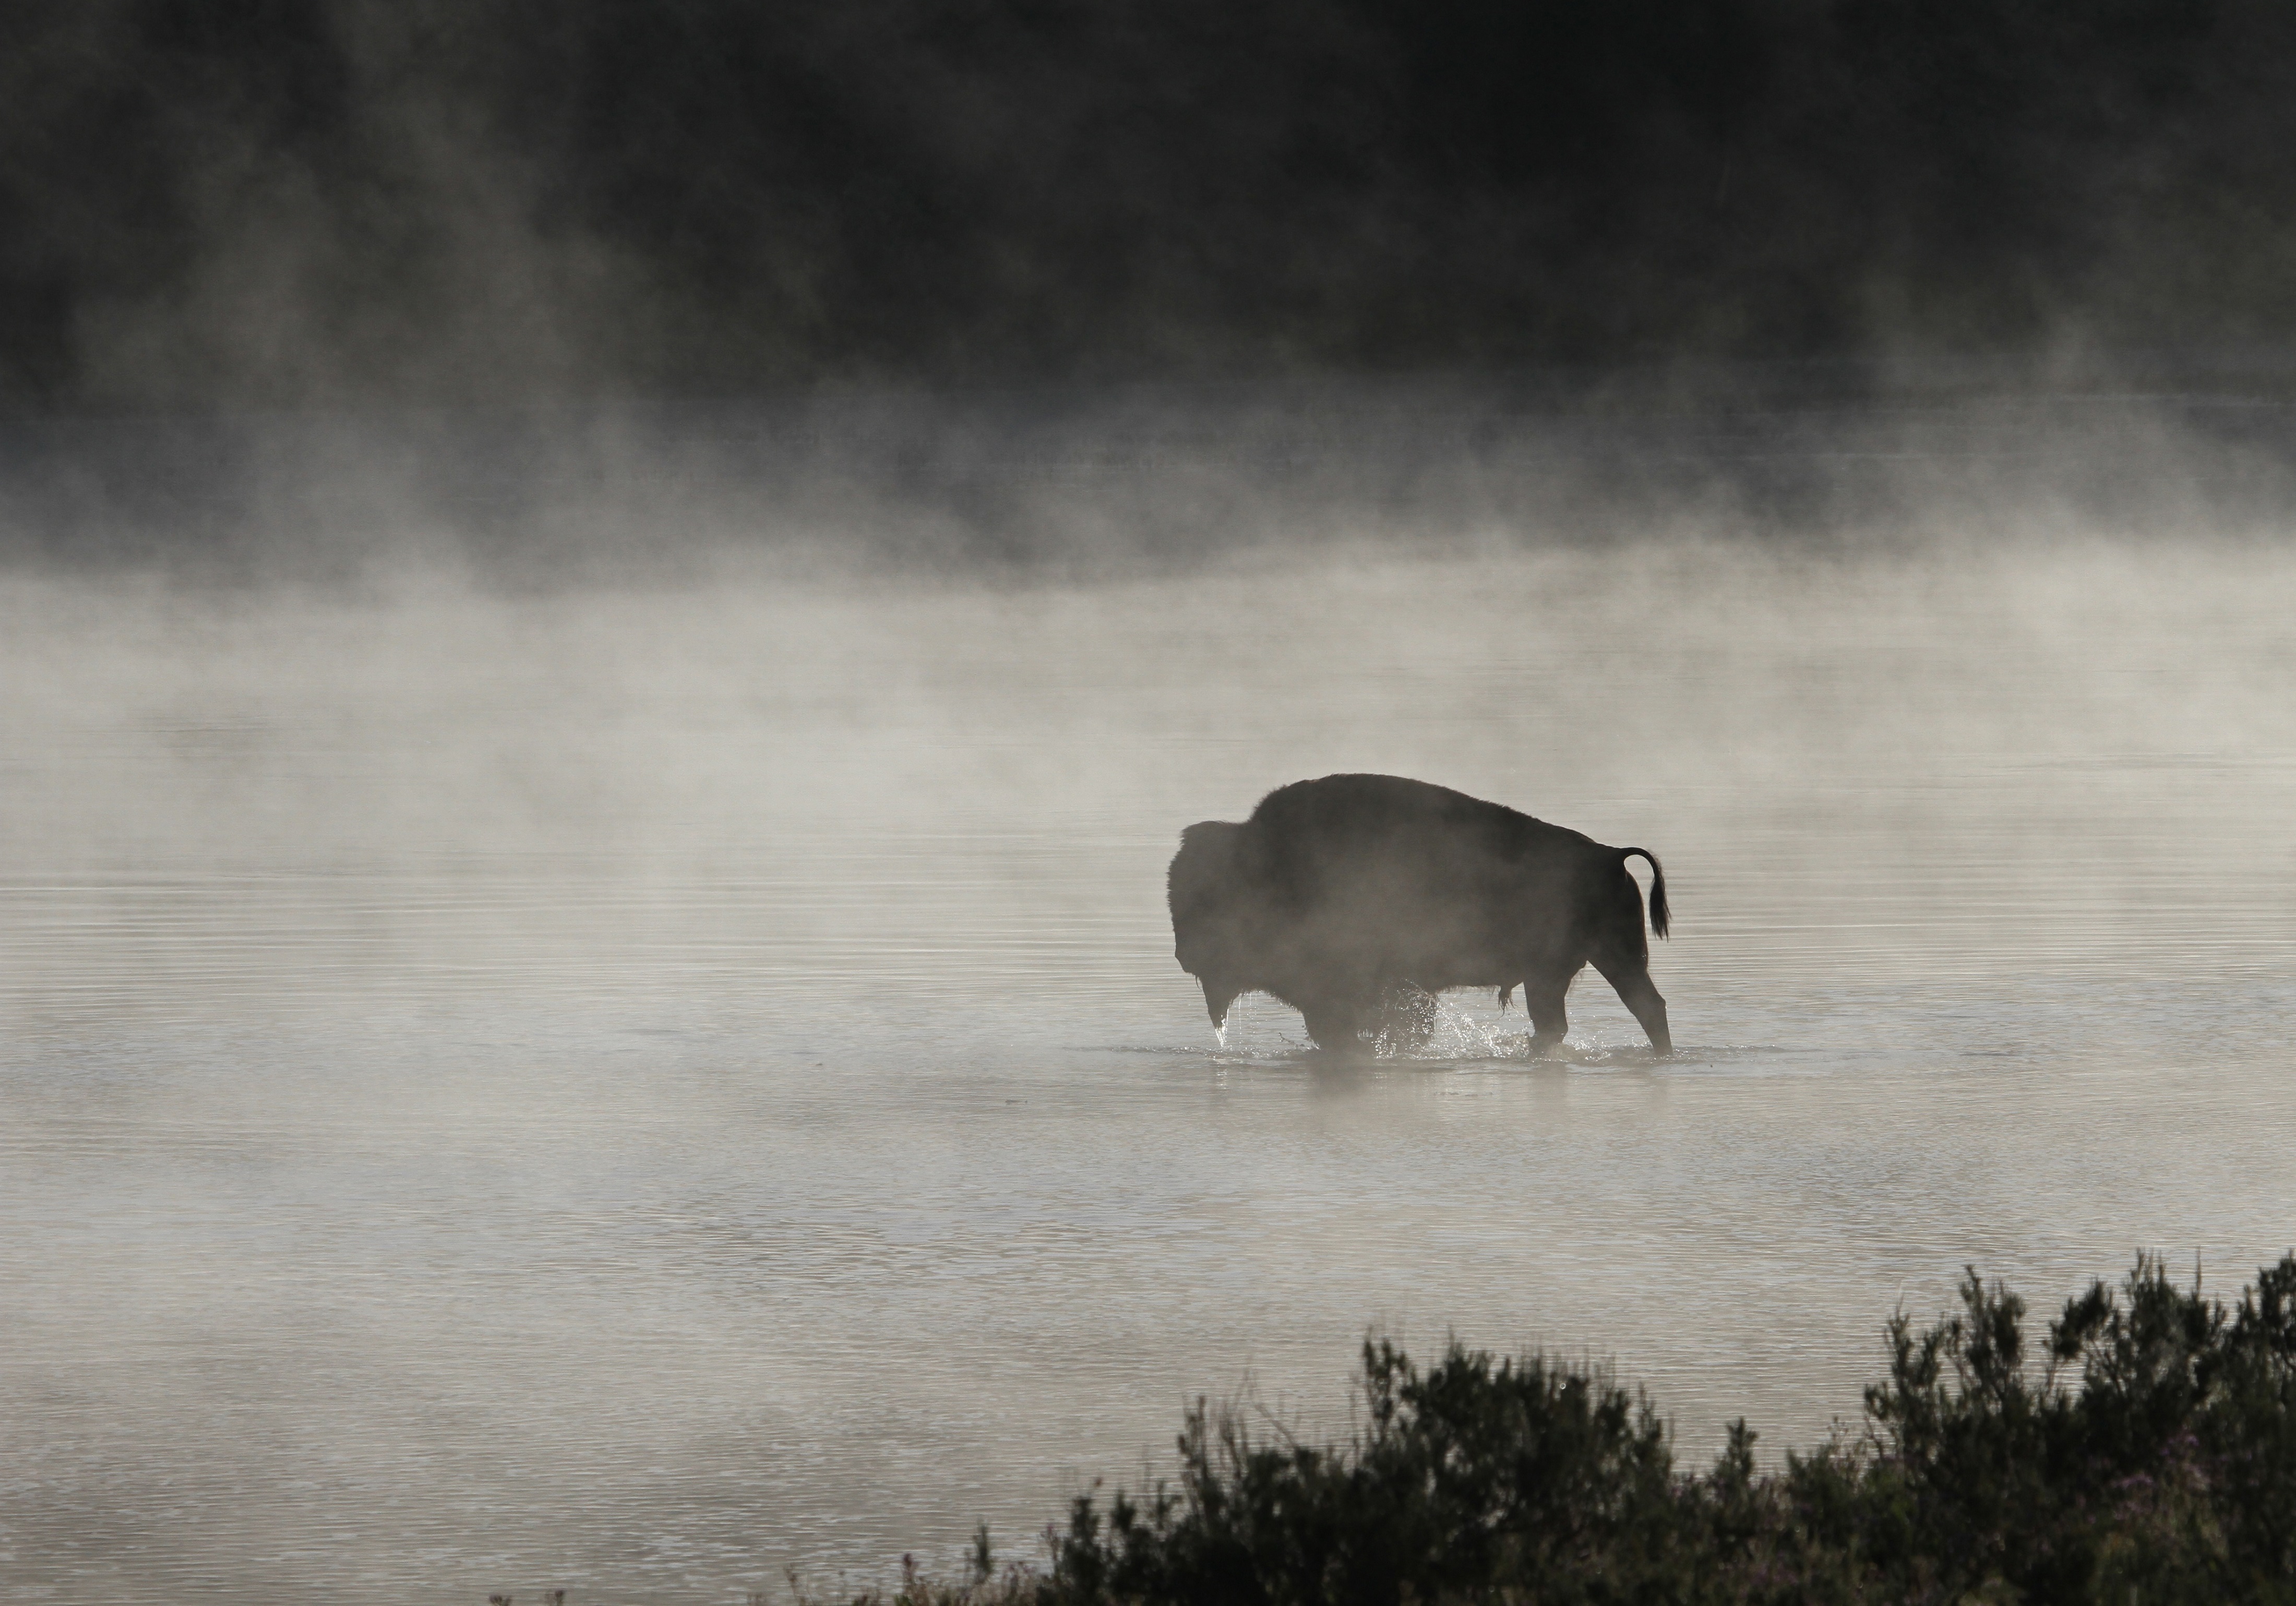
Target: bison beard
(1339,889)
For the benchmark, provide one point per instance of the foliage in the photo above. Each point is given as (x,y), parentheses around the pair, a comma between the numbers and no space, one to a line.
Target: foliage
(2145,1449)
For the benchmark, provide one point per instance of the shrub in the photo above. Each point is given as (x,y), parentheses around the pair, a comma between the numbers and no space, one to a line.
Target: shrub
(2144,1452)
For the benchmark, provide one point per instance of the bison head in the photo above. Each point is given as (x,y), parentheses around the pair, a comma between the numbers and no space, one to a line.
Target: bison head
(1213,932)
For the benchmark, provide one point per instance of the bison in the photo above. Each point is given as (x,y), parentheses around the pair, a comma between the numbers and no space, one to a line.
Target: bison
(1339,889)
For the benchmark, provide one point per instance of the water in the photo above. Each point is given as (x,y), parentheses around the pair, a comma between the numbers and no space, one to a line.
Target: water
(628,1090)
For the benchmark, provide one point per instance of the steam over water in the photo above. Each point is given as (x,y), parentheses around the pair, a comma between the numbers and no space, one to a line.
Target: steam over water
(629,1089)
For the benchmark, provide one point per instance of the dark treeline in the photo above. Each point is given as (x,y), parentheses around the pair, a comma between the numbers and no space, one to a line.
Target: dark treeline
(279,200)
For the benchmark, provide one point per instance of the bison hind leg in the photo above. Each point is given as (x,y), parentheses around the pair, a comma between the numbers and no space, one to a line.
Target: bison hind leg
(1630,977)
(1506,995)
(1550,1021)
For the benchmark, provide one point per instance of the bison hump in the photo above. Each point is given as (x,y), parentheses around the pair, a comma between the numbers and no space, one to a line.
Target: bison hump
(1339,807)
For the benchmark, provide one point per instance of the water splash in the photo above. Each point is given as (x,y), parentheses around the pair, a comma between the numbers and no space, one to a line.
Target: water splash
(1228,1023)
(1415,1024)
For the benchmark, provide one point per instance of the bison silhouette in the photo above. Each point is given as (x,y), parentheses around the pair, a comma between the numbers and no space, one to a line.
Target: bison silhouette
(1338,890)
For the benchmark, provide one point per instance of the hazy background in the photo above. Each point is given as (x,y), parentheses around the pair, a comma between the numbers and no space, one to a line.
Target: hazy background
(609,615)
(296,201)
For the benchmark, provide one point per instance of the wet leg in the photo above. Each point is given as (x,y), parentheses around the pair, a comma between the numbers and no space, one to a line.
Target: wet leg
(1333,1023)
(1631,980)
(1542,996)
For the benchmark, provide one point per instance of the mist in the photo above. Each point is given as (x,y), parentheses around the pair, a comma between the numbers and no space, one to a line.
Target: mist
(628,1085)
(611,616)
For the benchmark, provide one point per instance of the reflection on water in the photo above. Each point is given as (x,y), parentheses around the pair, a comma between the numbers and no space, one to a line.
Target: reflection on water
(626,1091)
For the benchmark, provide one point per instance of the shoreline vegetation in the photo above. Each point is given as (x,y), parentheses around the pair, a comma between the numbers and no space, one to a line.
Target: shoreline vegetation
(2142,1449)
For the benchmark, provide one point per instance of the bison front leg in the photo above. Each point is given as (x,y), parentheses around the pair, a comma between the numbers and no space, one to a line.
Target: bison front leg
(1542,997)
(1335,1021)
(1631,978)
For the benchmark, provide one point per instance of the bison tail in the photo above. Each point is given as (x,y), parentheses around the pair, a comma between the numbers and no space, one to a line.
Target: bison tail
(1659,913)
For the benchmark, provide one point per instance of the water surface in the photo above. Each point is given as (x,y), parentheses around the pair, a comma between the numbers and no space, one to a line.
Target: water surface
(631,1089)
